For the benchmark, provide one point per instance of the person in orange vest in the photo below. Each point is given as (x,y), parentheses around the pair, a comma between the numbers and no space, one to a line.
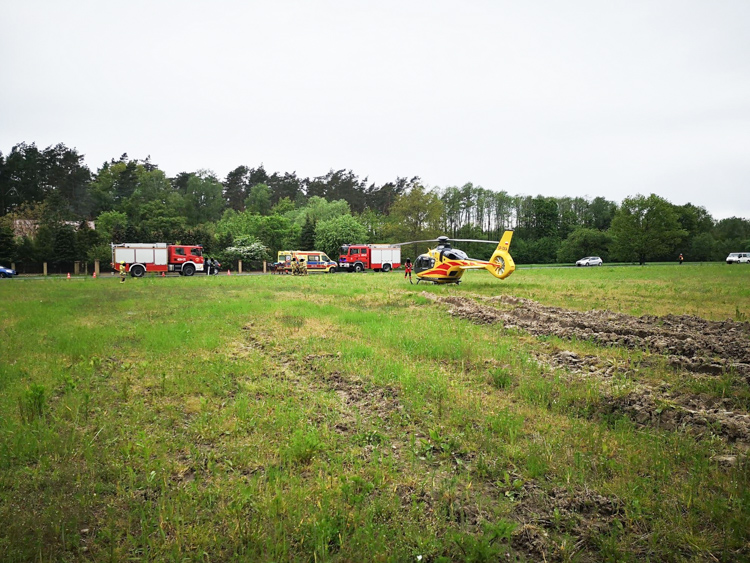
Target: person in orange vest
(122,272)
(681,259)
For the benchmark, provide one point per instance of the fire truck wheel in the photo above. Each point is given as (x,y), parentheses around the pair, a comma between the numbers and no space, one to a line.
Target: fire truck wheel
(137,271)
(386,268)
(358,267)
(188,270)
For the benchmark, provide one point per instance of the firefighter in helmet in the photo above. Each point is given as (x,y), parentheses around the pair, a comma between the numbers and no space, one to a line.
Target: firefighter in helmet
(302,267)
(122,271)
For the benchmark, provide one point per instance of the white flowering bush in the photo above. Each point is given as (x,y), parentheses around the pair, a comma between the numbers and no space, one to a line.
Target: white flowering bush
(247,248)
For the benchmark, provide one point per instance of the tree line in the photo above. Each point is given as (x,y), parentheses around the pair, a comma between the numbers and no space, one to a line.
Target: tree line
(49,196)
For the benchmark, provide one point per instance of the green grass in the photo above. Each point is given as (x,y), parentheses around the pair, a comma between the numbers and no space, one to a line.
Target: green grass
(346,417)
(712,291)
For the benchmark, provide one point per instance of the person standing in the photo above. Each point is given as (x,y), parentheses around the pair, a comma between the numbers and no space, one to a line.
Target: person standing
(123,272)
(407,270)
(681,258)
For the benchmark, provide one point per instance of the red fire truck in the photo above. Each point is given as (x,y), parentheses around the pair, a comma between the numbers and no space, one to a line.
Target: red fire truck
(140,258)
(358,257)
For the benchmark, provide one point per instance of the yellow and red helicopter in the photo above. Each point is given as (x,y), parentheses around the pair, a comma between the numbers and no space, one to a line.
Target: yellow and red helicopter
(445,264)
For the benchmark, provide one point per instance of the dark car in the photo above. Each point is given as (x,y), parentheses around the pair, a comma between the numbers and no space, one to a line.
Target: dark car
(6,272)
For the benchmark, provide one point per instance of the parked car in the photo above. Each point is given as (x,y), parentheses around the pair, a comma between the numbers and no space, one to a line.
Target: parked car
(6,272)
(738,258)
(590,261)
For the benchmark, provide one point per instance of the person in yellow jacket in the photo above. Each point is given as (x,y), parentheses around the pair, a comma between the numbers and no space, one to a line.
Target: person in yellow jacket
(123,272)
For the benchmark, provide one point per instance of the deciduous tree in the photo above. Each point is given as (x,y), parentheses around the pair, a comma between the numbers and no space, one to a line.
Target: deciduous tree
(645,228)
(259,199)
(331,234)
(204,198)
(415,215)
(584,242)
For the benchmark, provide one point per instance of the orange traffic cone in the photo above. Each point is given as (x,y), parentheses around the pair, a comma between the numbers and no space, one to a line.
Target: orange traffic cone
(229,272)
(94,275)
(162,274)
(68,275)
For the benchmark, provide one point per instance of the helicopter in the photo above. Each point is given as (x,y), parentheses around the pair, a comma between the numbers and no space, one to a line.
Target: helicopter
(445,264)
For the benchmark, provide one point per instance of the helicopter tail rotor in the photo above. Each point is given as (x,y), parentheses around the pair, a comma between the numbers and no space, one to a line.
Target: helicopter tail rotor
(501,264)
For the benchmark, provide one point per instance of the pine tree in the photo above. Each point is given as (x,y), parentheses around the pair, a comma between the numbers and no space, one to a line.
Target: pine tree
(64,244)
(307,237)
(7,244)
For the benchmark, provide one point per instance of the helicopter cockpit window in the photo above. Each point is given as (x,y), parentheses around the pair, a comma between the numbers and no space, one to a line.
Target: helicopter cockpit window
(455,254)
(423,263)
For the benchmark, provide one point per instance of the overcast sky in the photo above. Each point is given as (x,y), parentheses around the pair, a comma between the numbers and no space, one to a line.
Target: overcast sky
(577,98)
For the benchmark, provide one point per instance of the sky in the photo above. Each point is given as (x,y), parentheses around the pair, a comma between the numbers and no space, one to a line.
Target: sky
(576,98)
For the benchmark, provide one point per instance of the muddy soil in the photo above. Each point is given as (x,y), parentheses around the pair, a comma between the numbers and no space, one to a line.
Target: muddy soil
(700,414)
(366,402)
(704,348)
(688,342)
(543,515)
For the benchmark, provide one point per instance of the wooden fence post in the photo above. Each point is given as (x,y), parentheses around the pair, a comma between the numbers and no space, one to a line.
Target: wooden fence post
(96,267)
(76,268)
(239,269)
(45,268)
(264,267)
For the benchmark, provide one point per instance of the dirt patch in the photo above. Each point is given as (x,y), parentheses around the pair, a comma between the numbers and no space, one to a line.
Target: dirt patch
(549,518)
(365,401)
(589,365)
(647,407)
(656,406)
(361,402)
(688,342)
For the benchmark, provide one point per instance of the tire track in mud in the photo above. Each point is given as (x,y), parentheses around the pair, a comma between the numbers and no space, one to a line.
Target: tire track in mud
(656,406)
(687,342)
(360,403)
(646,405)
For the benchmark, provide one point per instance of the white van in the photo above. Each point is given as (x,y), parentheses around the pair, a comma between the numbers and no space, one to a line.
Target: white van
(738,258)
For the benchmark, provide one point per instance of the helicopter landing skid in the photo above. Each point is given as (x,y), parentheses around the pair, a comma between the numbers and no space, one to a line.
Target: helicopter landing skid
(436,282)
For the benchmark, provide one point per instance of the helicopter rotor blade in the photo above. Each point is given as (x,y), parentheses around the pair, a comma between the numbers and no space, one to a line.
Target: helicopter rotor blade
(415,242)
(474,240)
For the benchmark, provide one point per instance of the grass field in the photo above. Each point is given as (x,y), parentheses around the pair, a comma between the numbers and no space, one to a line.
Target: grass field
(351,417)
